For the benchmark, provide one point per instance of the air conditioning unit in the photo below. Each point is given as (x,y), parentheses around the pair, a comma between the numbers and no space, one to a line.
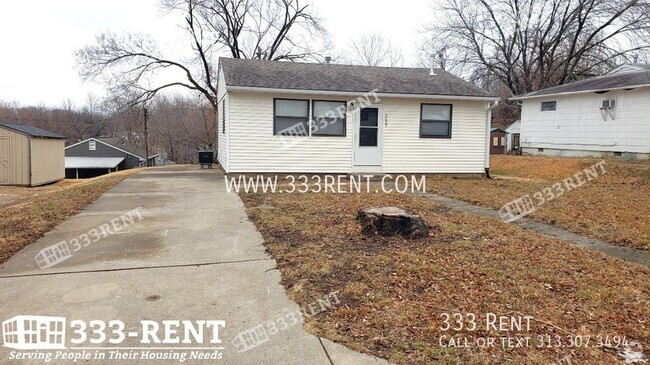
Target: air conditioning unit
(609,104)
(206,158)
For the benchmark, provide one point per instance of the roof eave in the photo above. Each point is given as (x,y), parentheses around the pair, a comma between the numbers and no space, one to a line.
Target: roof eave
(31,135)
(524,97)
(358,93)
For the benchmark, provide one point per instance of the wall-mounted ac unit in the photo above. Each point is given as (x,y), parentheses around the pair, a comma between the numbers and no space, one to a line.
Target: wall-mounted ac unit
(608,104)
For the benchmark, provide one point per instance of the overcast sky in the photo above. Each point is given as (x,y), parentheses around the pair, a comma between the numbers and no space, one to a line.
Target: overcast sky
(38,37)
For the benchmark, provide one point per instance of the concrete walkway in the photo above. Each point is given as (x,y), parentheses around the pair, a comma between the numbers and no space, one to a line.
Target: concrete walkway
(628,254)
(193,256)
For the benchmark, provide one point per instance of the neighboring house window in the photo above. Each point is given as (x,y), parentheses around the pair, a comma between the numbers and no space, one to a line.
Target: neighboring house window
(549,106)
(328,118)
(223,116)
(495,141)
(503,141)
(291,117)
(435,120)
(92,145)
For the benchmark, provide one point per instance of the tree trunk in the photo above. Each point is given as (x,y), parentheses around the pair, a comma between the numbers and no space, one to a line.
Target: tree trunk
(392,221)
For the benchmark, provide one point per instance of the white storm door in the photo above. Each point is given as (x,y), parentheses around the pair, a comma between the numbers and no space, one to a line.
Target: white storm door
(367,144)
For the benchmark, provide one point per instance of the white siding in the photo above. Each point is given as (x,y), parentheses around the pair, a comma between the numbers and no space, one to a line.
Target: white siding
(253,147)
(222,137)
(578,124)
(404,150)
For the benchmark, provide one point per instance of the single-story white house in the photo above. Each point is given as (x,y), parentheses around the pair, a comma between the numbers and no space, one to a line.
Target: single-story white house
(287,117)
(598,117)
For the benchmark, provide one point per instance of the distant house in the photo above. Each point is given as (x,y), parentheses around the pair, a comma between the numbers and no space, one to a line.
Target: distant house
(98,156)
(290,117)
(30,156)
(602,116)
(497,141)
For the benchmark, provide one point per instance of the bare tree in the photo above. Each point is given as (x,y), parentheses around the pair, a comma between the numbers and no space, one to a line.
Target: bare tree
(528,45)
(180,126)
(374,50)
(265,29)
(76,123)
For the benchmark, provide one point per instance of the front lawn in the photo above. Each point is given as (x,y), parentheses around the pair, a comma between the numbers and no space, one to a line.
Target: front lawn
(615,207)
(394,291)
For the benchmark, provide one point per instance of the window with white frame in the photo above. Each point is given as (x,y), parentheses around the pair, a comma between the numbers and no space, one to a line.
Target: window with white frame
(329,118)
(92,145)
(291,117)
(435,120)
(549,106)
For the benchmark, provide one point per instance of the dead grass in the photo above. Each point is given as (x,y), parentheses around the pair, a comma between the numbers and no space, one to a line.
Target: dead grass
(14,194)
(393,290)
(23,223)
(615,207)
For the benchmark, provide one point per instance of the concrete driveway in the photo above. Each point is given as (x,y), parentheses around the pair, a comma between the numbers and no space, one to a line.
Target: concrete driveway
(193,256)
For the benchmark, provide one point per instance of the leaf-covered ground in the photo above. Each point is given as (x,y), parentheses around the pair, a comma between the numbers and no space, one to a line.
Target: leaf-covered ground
(393,291)
(615,207)
(23,223)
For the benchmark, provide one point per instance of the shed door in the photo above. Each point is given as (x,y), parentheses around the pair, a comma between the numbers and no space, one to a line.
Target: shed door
(4,160)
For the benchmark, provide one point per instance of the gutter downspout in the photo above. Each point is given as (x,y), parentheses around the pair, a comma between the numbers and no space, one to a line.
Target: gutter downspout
(488,123)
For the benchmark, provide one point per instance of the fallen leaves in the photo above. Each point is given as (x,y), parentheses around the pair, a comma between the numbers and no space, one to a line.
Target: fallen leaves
(393,289)
(615,207)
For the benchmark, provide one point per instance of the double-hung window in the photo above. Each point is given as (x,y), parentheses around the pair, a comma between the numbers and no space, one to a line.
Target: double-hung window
(435,121)
(328,118)
(291,117)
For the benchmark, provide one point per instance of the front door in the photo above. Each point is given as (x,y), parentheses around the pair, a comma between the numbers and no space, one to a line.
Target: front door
(4,160)
(367,150)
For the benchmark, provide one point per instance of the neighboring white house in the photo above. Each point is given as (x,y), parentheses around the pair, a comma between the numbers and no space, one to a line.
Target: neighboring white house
(286,117)
(602,116)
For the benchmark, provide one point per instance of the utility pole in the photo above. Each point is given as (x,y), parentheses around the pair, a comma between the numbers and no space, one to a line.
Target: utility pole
(146,137)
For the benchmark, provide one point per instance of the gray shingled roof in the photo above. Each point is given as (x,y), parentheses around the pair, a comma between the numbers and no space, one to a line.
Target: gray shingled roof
(344,78)
(600,83)
(127,146)
(31,131)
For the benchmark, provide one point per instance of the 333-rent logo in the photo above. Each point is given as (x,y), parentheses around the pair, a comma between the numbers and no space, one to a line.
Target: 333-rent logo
(28,332)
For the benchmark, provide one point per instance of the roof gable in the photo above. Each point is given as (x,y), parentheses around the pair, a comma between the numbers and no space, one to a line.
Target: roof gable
(344,78)
(31,131)
(117,144)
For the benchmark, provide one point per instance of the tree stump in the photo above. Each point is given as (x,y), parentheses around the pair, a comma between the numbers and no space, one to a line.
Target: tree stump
(392,221)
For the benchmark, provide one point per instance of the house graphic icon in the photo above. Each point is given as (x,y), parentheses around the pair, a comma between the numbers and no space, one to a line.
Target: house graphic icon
(34,333)
(52,255)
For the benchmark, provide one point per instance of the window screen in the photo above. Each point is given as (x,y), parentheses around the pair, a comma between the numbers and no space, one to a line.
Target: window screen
(549,106)
(328,118)
(291,117)
(435,121)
